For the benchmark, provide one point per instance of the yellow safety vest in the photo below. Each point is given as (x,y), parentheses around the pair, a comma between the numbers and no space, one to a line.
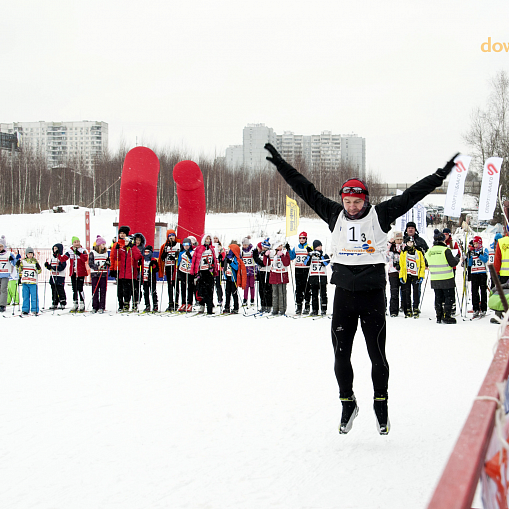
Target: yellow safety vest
(503,243)
(438,265)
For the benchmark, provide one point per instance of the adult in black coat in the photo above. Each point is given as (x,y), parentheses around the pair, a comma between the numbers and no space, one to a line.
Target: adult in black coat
(358,273)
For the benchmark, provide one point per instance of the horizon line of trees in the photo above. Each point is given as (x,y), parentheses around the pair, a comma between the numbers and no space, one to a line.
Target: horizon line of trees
(30,187)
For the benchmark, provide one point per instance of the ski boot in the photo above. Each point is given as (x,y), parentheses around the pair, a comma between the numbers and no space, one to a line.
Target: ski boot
(475,315)
(62,305)
(252,303)
(234,311)
(416,313)
(306,309)
(274,313)
(52,307)
(314,312)
(126,308)
(382,415)
(189,308)
(350,412)
(298,309)
(155,309)
(74,308)
(244,302)
(146,310)
(324,312)
(440,314)
(448,319)
(408,314)
(498,318)
(101,311)
(82,307)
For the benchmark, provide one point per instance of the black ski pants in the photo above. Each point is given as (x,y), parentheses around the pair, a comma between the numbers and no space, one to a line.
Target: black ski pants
(169,270)
(369,307)
(264,289)
(57,293)
(77,288)
(394,285)
(231,290)
(124,292)
(479,284)
(411,285)
(150,289)
(302,287)
(444,299)
(187,288)
(319,290)
(205,289)
(219,288)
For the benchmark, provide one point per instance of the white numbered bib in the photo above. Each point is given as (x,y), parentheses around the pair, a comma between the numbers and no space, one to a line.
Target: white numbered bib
(29,275)
(478,265)
(411,265)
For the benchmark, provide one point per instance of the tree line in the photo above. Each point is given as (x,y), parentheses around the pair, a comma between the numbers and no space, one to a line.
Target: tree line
(29,186)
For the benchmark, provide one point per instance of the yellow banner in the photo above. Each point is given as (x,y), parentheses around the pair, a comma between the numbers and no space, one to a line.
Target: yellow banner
(292,217)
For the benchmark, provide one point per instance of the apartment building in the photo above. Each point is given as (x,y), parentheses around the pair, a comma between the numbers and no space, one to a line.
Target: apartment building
(325,150)
(61,142)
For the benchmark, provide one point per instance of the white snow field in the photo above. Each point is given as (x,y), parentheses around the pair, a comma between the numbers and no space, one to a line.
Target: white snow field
(126,411)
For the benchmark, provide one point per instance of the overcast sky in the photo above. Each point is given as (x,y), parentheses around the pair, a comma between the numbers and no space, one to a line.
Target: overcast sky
(404,75)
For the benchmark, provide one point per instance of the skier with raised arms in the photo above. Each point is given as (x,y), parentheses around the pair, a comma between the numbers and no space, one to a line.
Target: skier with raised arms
(359,243)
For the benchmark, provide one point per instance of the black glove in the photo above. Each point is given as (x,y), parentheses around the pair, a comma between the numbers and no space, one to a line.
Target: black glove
(117,246)
(113,273)
(153,263)
(18,263)
(171,258)
(287,246)
(276,158)
(37,266)
(444,172)
(47,265)
(396,266)
(164,254)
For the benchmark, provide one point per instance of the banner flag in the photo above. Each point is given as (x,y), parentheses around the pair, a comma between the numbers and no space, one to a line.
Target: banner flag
(292,217)
(456,187)
(489,188)
(403,220)
(420,218)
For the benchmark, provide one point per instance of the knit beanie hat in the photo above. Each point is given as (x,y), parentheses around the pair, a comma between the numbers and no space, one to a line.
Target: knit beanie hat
(3,241)
(316,243)
(99,241)
(74,239)
(446,230)
(362,191)
(246,241)
(266,243)
(170,232)
(124,229)
(29,250)
(149,248)
(439,236)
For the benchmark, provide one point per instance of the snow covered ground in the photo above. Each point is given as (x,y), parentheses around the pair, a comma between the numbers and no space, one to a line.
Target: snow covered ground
(127,411)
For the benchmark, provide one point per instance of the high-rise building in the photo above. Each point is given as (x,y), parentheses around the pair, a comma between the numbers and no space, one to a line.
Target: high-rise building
(326,150)
(353,153)
(61,142)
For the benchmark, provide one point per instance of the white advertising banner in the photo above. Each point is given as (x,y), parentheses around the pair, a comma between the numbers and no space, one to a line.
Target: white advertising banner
(403,220)
(489,188)
(456,187)
(420,218)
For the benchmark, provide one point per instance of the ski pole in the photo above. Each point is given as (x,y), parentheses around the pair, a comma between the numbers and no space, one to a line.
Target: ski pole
(423,291)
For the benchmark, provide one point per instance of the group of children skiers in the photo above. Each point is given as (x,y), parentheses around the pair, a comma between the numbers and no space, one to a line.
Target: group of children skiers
(192,271)
(408,256)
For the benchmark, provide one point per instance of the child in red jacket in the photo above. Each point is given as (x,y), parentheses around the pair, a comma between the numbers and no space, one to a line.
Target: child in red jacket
(78,271)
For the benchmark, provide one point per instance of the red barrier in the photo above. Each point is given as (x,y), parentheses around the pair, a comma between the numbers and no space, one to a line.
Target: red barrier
(457,486)
(138,192)
(191,197)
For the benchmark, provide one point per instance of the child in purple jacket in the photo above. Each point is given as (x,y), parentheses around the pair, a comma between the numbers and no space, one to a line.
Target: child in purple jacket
(251,268)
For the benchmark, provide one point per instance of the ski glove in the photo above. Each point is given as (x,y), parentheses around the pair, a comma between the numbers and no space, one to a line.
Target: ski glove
(18,263)
(117,246)
(287,246)
(420,279)
(47,265)
(113,273)
(37,266)
(444,172)
(276,158)
(401,281)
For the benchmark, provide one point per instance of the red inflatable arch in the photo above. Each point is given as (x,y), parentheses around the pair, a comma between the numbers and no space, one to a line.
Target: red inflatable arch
(191,197)
(138,192)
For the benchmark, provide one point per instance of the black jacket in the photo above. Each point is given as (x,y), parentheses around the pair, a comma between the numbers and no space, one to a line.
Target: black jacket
(358,277)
